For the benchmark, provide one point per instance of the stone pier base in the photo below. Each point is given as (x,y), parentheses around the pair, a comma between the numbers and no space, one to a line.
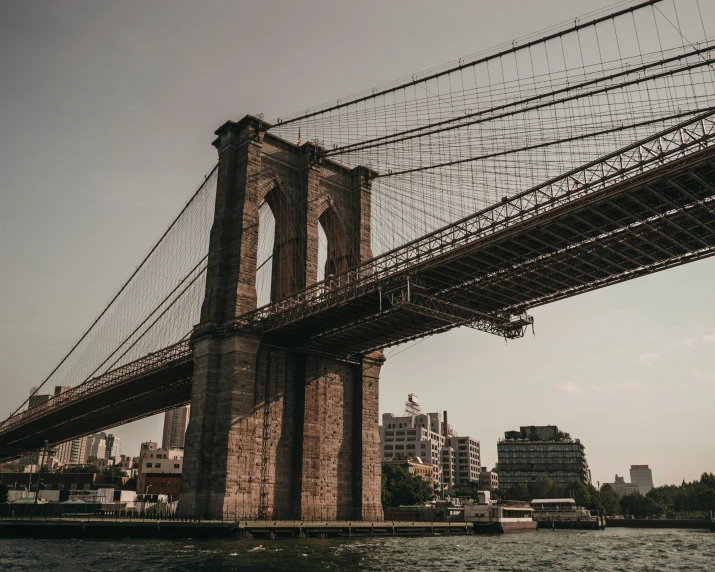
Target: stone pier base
(281,435)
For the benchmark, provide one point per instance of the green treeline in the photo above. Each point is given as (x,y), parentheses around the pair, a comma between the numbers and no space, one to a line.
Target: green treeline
(694,499)
(400,487)
(688,500)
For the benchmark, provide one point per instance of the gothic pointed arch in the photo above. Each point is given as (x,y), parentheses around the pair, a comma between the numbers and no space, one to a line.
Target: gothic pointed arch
(285,254)
(338,256)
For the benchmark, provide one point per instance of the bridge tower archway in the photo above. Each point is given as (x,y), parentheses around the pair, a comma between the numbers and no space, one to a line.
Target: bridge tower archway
(337,257)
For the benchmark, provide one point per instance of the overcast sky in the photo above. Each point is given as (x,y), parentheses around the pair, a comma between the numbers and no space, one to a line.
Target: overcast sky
(107,111)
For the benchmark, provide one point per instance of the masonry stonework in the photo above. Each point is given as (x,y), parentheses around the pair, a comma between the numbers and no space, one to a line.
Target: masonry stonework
(275,432)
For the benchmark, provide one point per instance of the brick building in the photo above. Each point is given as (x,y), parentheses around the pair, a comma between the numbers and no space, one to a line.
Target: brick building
(415,467)
(168,484)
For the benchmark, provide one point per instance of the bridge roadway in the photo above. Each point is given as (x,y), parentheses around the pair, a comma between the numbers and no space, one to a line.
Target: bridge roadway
(643,209)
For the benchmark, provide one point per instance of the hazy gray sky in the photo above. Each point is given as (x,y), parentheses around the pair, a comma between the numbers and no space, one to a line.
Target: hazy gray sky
(107,111)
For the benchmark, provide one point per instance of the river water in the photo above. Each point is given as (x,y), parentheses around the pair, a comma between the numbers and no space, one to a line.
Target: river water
(615,549)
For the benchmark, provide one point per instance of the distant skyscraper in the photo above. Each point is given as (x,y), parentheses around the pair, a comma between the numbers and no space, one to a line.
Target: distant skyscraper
(114,448)
(642,476)
(72,452)
(175,423)
(96,446)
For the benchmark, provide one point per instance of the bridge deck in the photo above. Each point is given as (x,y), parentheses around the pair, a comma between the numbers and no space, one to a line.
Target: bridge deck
(643,209)
(662,218)
(150,385)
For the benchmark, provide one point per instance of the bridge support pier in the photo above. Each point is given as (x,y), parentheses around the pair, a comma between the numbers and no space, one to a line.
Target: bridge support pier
(275,432)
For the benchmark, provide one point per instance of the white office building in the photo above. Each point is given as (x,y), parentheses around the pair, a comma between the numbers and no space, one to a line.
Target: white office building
(460,462)
(96,446)
(456,460)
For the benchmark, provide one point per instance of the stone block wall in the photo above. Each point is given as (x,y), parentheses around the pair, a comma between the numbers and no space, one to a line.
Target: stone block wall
(276,433)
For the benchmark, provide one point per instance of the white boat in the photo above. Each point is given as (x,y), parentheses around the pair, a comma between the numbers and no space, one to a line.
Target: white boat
(563,513)
(500,517)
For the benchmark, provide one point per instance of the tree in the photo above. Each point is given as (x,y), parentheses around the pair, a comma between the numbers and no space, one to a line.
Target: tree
(468,491)
(82,469)
(113,471)
(542,488)
(400,487)
(4,495)
(639,506)
(519,492)
(609,500)
(582,494)
(694,499)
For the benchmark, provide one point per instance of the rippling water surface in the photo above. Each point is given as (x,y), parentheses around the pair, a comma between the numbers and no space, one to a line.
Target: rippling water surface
(614,549)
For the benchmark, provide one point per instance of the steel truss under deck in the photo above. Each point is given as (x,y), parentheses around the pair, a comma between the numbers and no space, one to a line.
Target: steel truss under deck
(643,208)
(154,383)
(647,207)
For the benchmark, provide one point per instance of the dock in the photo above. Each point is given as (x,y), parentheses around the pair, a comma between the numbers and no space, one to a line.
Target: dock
(93,527)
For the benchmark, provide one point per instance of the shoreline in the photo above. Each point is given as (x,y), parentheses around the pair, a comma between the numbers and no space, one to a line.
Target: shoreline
(98,528)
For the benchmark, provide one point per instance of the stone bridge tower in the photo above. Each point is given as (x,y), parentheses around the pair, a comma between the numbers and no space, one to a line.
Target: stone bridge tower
(276,433)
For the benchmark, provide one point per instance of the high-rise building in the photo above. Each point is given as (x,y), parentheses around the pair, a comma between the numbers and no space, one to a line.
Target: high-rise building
(621,487)
(414,436)
(175,423)
(114,448)
(429,438)
(96,446)
(642,477)
(73,452)
(460,462)
(532,452)
(488,480)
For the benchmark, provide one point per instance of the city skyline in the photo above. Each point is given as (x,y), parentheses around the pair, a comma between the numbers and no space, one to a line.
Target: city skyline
(629,369)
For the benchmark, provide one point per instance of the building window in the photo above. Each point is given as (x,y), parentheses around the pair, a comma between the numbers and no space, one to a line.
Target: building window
(176,465)
(148,465)
(157,465)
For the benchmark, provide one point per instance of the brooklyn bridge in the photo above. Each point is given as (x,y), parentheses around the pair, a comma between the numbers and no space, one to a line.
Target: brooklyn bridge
(462,196)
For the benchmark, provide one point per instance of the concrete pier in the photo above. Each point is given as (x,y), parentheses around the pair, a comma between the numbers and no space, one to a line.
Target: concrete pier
(92,527)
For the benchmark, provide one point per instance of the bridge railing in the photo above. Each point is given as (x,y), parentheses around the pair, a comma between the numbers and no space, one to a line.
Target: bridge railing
(151,362)
(637,159)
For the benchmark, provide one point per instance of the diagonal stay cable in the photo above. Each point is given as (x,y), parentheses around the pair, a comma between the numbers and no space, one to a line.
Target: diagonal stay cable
(399,136)
(149,316)
(189,285)
(515,48)
(124,286)
(548,143)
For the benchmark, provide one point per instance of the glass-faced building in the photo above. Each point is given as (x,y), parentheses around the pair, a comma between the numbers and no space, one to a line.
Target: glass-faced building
(532,452)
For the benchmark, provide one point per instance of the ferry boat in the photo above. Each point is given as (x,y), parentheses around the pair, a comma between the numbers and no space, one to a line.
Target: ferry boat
(490,517)
(563,513)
